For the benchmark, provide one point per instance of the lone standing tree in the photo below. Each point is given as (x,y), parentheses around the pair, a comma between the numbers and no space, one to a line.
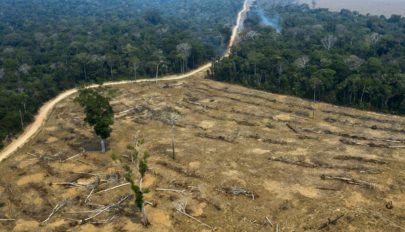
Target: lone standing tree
(99,113)
(170,116)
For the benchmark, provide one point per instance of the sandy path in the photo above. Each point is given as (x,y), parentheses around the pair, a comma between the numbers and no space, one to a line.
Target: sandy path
(238,27)
(47,108)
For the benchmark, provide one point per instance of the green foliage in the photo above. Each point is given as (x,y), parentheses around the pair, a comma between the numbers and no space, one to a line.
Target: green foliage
(47,46)
(134,187)
(342,58)
(142,169)
(114,157)
(99,112)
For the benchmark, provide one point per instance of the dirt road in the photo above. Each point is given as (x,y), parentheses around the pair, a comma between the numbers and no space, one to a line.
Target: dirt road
(46,109)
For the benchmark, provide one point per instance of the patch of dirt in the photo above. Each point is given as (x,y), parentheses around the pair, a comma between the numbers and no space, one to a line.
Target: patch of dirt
(287,192)
(33,178)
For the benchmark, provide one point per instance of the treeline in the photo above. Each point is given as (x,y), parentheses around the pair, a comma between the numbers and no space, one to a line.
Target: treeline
(342,58)
(50,45)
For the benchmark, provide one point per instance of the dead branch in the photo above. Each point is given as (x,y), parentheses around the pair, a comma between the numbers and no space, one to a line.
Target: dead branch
(330,222)
(292,128)
(294,162)
(74,156)
(396,146)
(109,207)
(95,185)
(58,206)
(220,137)
(71,184)
(171,190)
(349,180)
(6,219)
(181,208)
(151,203)
(106,190)
(269,221)
(88,196)
(237,191)
(361,159)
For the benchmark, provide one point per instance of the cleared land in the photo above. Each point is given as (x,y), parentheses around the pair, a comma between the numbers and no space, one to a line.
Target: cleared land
(242,155)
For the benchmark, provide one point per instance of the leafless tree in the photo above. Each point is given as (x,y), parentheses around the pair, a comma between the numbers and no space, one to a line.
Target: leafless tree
(252,35)
(302,62)
(24,69)
(329,41)
(374,38)
(184,50)
(160,59)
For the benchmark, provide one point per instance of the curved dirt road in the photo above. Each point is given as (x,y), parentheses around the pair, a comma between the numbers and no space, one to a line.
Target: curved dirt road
(47,108)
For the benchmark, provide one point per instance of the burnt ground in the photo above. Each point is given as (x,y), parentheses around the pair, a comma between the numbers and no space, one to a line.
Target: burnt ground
(242,155)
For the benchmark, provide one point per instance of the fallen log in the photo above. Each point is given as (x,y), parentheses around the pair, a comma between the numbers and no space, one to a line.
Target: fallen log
(360,159)
(330,222)
(237,191)
(349,180)
(294,162)
(319,164)
(58,206)
(292,128)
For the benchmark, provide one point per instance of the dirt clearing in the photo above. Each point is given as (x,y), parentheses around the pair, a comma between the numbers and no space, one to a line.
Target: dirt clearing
(246,161)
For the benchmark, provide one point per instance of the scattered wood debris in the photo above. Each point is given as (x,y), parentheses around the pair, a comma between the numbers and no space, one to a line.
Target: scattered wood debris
(237,191)
(358,158)
(220,137)
(330,222)
(181,208)
(349,180)
(58,206)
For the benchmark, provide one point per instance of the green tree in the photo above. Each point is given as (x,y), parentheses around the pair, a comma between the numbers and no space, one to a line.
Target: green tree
(99,113)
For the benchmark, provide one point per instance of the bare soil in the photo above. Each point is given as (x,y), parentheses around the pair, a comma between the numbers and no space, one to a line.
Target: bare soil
(242,155)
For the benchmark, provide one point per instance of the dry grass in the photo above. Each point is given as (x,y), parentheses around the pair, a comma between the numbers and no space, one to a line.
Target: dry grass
(242,155)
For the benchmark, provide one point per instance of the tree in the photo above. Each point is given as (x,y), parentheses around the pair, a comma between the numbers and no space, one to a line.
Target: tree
(83,59)
(329,41)
(159,59)
(255,58)
(302,62)
(99,112)
(1,73)
(170,116)
(24,69)
(111,60)
(315,83)
(135,65)
(184,53)
(137,188)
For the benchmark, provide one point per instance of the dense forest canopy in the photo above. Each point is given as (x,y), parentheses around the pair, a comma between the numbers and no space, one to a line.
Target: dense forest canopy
(50,45)
(342,58)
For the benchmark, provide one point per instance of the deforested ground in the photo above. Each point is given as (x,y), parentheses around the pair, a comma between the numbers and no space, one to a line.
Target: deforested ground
(245,161)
